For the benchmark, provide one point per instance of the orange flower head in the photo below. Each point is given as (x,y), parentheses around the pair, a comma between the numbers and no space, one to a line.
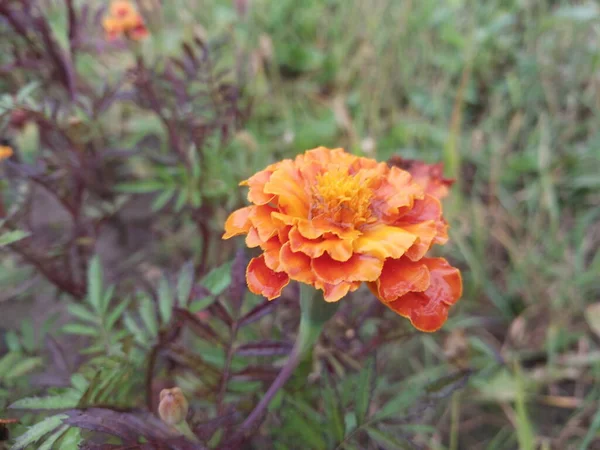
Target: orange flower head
(5,152)
(124,19)
(334,220)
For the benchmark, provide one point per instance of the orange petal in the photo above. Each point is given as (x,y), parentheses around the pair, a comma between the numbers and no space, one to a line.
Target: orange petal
(428,310)
(260,217)
(384,242)
(338,249)
(271,250)
(334,292)
(287,185)
(396,191)
(427,208)
(399,277)
(317,227)
(425,232)
(264,281)
(238,222)
(296,265)
(256,183)
(357,268)
(252,238)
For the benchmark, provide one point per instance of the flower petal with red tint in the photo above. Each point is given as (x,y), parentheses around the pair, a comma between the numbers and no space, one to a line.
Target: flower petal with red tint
(334,292)
(296,265)
(338,249)
(271,250)
(428,310)
(426,233)
(399,277)
(238,222)
(264,281)
(357,268)
(384,242)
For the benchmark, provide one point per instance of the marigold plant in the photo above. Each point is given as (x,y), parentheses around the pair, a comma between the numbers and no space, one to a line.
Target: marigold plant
(334,220)
(124,19)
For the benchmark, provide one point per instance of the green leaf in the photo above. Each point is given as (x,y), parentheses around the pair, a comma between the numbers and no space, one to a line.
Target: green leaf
(79,382)
(389,442)
(364,390)
(49,443)
(82,313)
(115,313)
(95,279)
(334,412)
(11,237)
(149,316)
(37,431)
(133,327)
(140,187)
(591,433)
(165,301)
(80,329)
(8,361)
(218,279)
(184,283)
(70,439)
(305,429)
(162,199)
(199,305)
(23,367)
(69,399)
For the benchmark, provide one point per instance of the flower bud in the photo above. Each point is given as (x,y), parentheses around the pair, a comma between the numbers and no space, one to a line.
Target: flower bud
(173,406)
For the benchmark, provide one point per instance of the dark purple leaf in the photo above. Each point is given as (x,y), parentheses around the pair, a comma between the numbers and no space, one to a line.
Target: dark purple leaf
(265,348)
(199,327)
(257,313)
(220,312)
(237,288)
(257,373)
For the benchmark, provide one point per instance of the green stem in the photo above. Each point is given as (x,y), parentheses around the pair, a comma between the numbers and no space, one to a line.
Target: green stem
(315,312)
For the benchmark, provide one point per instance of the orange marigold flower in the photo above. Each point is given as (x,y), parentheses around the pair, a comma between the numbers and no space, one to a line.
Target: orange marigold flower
(334,220)
(124,19)
(5,152)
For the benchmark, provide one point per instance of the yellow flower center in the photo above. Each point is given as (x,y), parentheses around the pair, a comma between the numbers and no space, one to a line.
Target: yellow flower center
(343,198)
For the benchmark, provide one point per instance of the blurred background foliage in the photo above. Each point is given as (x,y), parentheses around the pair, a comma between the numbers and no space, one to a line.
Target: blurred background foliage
(132,151)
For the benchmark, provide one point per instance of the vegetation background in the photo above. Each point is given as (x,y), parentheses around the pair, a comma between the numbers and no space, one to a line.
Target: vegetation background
(114,280)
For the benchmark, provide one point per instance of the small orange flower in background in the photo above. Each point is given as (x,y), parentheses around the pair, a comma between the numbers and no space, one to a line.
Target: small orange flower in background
(334,220)
(124,19)
(5,152)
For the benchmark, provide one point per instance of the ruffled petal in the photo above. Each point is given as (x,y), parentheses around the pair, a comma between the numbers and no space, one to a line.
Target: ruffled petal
(264,281)
(261,219)
(426,233)
(357,268)
(238,222)
(399,277)
(338,249)
(287,185)
(428,310)
(384,242)
(256,183)
(335,292)
(397,191)
(317,227)
(271,250)
(296,265)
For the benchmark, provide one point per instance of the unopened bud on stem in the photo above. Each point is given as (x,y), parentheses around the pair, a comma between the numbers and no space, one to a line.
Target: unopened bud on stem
(173,406)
